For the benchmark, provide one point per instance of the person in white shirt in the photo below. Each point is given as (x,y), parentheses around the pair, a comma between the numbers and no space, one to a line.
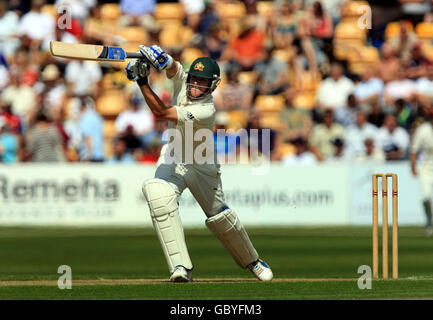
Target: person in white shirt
(334,90)
(192,113)
(35,25)
(9,22)
(422,146)
(83,77)
(357,133)
(400,88)
(370,88)
(371,153)
(301,157)
(394,140)
(424,88)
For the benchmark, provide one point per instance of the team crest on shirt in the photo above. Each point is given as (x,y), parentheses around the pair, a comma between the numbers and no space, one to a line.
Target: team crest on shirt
(199,66)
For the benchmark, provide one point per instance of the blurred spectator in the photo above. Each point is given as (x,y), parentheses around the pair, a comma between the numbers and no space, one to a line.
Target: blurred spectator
(225,143)
(358,132)
(137,12)
(272,74)
(285,24)
(43,141)
(9,22)
(12,121)
(133,143)
(376,115)
(417,64)
(213,43)
(140,119)
(334,90)
(247,48)
(340,154)
(415,9)
(404,113)
(369,88)
(260,21)
(370,152)
(393,139)
(389,65)
(193,10)
(8,144)
(404,42)
(296,122)
(4,72)
(72,126)
(324,134)
(301,156)
(91,127)
(321,24)
(159,133)
(35,26)
(208,18)
(19,96)
(53,87)
(83,78)
(151,152)
(258,141)
(424,88)
(347,116)
(79,9)
(399,88)
(234,95)
(120,154)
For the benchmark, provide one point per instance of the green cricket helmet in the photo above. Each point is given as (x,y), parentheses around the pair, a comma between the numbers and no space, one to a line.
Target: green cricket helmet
(207,68)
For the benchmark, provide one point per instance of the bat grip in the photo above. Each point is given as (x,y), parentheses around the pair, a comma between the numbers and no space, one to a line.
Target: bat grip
(134,55)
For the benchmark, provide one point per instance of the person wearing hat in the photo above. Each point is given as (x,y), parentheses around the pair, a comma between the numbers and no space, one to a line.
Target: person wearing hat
(192,114)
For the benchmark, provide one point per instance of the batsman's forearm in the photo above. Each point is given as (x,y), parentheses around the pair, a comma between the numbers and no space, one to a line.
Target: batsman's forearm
(155,104)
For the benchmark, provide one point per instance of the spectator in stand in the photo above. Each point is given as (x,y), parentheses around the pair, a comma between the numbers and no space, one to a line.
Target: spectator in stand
(424,88)
(83,78)
(133,143)
(9,144)
(404,113)
(80,9)
(9,22)
(208,18)
(137,12)
(213,43)
(358,133)
(28,68)
(259,141)
(247,48)
(12,120)
(399,88)
(91,127)
(19,96)
(272,74)
(416,67)
(225,143)
(151,152)
(285,25)
(302,156)
(296,122)
(53,87)
(139,118)
(393,139)
(340,152)
(415,9)
(347,116)
(193,10)
(260,22)
(43,141)
(36,27)
(370,153)
(60,34)
(159,133)
(369,89)
(120,154)
(404,42)
(234,95)
(335,89)
(376,115)
(324,134)
(389,64)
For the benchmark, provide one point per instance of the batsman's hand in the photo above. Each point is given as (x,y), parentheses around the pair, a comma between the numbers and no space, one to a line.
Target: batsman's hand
(138,70)
(157,57)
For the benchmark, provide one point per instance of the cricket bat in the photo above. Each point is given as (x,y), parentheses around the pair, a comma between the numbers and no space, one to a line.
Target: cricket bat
(91,52)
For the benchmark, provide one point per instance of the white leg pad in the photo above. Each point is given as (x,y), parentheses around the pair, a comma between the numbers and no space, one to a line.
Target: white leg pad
(229,230)
(164,211)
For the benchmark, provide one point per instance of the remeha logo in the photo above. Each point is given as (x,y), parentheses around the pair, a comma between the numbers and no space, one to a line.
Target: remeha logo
(199,66)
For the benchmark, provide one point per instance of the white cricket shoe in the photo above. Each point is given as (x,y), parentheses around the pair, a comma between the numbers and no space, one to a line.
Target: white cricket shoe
(261,270)
(181,274)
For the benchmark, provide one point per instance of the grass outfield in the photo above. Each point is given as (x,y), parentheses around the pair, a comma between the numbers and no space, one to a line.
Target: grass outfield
(127,263)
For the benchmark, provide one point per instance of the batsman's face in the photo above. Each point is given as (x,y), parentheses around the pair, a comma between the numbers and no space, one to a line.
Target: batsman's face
(198,85)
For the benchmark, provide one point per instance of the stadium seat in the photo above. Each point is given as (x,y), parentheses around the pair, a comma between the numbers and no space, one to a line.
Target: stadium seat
(108,148)
(349,31)
(353,9)
(265,8)
(271,120)
(190,54)
(427,49)
(237,119)
(133,34)
(424,30)
(285,149)
(109,129)
(393,29)
(305,100)
(111,104)
(366,57)
(169,12)
(306,81)
(274,103)
(230,10)
(110,11)
(248,77)
(171,36)
(49,9)
(343,49)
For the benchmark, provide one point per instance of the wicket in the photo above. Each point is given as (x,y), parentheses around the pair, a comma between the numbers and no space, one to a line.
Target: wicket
(384,178)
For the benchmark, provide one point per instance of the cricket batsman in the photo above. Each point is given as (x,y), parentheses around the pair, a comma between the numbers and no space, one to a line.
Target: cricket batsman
(423,143)
(192,106)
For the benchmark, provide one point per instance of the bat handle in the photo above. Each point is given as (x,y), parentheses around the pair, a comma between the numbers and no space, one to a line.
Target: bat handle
(134,55)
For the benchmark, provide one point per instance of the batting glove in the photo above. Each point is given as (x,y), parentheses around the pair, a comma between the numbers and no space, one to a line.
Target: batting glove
(138,70)
(157,57)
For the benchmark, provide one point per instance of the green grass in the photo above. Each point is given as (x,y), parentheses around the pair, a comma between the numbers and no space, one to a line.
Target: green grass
(134,253)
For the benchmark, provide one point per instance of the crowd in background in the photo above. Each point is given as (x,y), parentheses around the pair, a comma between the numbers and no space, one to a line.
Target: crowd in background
(49,107)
